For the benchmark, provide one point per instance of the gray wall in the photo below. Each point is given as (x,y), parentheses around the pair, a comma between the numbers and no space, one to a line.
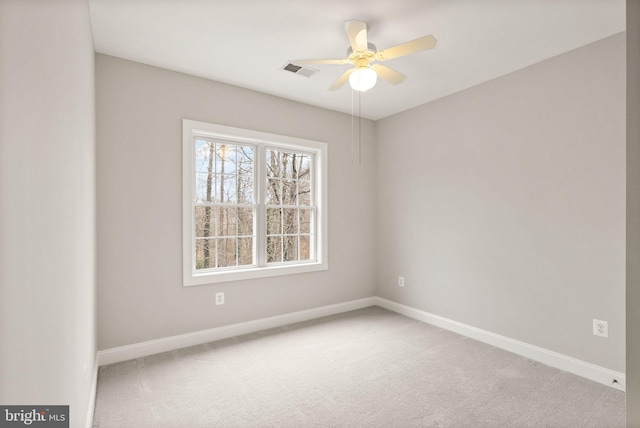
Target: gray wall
(47,200)
(633,213)
(140,292)
(503,205)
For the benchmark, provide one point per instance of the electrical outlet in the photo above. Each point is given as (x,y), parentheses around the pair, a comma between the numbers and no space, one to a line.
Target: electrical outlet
(600,328)
(220,298)
(401,281)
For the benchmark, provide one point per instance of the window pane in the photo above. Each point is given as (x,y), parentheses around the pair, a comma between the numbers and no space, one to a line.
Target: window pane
(305,221)
(245,221)
(273,163)
(274,249)
(245,251)
(245,160)
(205,187)
(227,221)
(274,221)
(304,193)
(305,247)
(289,192)
(244,189)
(297,163)
(304,170)
(287,165)
(227,191)
(274,191)
(226,252)
(204,152)
(205,221)
(205,253)
(226,158)
(290,250)
(289,221)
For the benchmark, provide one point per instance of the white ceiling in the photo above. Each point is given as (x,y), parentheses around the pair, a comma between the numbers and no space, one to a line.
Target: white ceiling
(246,42)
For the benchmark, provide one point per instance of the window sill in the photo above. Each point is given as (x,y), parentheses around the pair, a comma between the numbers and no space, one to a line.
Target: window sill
(252,273)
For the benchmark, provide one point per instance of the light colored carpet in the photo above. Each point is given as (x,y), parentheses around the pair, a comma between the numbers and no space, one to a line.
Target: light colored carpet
(366,368)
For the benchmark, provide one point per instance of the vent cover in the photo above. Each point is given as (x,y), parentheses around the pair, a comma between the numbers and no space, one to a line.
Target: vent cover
(304,71)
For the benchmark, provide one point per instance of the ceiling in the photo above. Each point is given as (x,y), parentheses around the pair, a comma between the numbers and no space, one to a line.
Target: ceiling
(247,42)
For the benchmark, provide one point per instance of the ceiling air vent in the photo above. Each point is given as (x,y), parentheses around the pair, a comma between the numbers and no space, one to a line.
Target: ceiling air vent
(304,71)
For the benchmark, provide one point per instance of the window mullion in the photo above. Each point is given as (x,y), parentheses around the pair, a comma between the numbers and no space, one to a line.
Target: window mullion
(261,214)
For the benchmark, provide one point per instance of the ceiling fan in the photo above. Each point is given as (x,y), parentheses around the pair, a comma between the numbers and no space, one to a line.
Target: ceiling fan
(362,54)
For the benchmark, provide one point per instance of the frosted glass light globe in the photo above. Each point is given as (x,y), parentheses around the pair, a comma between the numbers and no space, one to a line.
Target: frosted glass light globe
(363,78)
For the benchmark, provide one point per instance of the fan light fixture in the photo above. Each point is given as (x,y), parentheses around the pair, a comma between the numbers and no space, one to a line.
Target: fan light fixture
(363,79)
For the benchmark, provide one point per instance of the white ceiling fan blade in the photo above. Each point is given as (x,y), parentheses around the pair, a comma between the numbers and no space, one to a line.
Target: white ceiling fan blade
(341,80)
(417,45)
(320,61)
(388,74)
(357,34)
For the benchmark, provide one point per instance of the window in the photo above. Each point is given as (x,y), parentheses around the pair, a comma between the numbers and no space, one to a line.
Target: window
(254,204)
(289,207)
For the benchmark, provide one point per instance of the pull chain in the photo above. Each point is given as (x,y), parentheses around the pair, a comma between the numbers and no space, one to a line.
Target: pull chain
(352,128)
(359,128)
(353,142)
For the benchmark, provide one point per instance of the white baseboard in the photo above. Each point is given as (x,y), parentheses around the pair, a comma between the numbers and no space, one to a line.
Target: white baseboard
(91,407)
(137,350)
(572,365)
(569,364)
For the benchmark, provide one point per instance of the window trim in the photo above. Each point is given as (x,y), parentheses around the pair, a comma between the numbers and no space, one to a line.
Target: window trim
(263,140)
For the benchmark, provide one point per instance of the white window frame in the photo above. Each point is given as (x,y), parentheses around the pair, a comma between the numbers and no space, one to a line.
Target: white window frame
(261,141)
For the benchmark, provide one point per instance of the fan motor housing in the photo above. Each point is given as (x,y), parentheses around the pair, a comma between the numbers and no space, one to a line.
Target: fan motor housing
(369,54)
